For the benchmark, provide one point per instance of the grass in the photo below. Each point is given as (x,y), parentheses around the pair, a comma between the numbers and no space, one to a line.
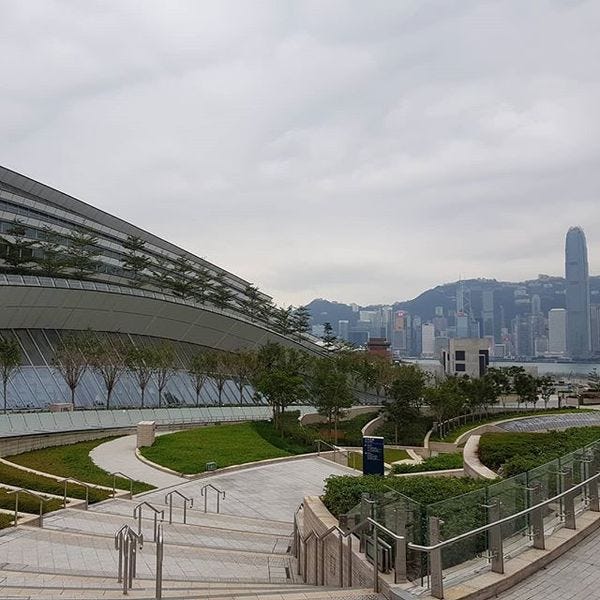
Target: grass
(5,520)
(73,460)
(38,483)
(513,453)
(456,433)
(189,451)
(27,503)
(435,463)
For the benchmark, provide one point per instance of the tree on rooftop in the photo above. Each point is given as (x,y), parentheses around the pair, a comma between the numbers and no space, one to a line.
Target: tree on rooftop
(135,261)
(82,253)
(18,247)
(54,260)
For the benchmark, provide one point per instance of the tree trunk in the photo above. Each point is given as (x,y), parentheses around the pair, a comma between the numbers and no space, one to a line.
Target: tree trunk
(197,397)
(108,395)
(4,385)
(396,432)
(241,388)
(336,428)
(143,390)
(73,397)
(159,397)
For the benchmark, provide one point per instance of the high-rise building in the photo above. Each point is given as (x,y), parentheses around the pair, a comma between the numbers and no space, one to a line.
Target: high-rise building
(343,329)
(427,340)
(595,327)
(578,294)
(557,331)
(487,313)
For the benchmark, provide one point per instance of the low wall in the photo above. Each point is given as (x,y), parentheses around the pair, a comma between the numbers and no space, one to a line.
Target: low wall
(372,426)
(472,466)
(486,428)
(317,518)
(355,411)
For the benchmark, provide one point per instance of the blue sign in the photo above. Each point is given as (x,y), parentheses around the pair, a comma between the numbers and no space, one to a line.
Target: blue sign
(372,455)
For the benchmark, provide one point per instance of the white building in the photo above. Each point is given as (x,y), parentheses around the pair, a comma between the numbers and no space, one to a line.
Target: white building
(427,340)
(557,332)
(466,356)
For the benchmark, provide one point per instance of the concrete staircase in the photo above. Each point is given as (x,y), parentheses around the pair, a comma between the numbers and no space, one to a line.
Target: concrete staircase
(214,555)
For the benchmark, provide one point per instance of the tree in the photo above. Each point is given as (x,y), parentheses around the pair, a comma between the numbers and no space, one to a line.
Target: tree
(500,380)
(54,260)
(82,253)
(242,365)
(525,386)
(201,280)
(136,261)
(160,273)
(480,392)
(404,396)
(300,321)
(107,360)
(19,249)
(10,360)
(328,337)
(445,398)
(283,320)
(330,390)
(251,302)
(546,387)
(594,380)
(73,358)
(163,366)
(218,368)
(219,293)
(140,361)
(181,278)
(280,378)
(198,372)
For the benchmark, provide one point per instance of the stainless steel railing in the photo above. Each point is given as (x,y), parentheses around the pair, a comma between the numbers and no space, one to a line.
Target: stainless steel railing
(114,486)
(169,501)
(41,498)
(68,480)
(159,562)
(127,542)
(219,494)
(138,514)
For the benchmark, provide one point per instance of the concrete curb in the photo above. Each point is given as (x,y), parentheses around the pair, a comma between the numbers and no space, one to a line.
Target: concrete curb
(473,467)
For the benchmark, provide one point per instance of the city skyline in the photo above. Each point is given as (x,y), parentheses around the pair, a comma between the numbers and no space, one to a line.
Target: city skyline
(318,149)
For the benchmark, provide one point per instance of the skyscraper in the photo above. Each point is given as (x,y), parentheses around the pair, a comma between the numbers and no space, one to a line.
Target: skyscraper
(578,294)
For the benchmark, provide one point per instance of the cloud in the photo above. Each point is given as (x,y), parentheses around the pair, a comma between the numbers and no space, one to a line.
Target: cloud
(358,151)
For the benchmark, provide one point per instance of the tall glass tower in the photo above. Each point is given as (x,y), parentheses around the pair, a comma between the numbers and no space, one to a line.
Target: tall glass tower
(578,294)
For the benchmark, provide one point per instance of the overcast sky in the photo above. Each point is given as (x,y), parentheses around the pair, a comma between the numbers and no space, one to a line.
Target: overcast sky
(358,151)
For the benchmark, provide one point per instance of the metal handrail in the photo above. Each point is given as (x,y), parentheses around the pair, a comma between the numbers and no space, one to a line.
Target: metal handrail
(159,562)
(169,499)
(121,474)
(40,497)
(127,542)
(220,494)
(137,514)
(522,513)
(87,486)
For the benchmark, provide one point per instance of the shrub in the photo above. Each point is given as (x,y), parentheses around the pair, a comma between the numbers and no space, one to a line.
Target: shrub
(435,463)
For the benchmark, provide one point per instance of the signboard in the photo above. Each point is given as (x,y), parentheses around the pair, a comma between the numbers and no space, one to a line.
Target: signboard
(372,455)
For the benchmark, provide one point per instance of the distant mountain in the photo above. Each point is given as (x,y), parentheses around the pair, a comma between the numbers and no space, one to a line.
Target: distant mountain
(510,299)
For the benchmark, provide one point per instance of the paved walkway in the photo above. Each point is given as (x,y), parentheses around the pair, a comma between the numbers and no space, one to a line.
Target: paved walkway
(270,491)
(119,455)
(573,576)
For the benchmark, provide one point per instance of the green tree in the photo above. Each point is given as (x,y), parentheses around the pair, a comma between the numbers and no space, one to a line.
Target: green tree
(82,253)
(19,248)
(526,388)
(546,387)
(251,302)
(283,320)
(136,261)
(140,362)
(54,260)
(405,396)
(594,380)
(501,381)
(300,321)
(219,293)
(330,390)
(73,358)
(445,398)
(160,273)
(107,360)
(182,282)
(280,378)
(10,361)
(163,364)
(198,373)
(218,367)
(480,392)
(328,337)
(242,365)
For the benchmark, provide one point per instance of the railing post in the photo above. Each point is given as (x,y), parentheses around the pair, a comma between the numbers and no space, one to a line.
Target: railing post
(16,508)
(375,561)
(341,558)
(435,558)
(495,539)
(536,518)
(569,503)
(400,560)
(349,561)
(126,543)
(593,495)
(159,564)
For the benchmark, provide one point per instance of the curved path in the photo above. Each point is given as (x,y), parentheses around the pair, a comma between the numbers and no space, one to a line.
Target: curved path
(119,455)
(553,422)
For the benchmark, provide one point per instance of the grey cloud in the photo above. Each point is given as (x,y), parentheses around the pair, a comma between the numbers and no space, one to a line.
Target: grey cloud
(361,151)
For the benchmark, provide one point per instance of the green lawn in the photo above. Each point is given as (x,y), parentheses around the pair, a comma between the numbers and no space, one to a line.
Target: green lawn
(74,461)
(435,463)
(189,451)
(456,433)
(38,483)
(5,520)
(27,503)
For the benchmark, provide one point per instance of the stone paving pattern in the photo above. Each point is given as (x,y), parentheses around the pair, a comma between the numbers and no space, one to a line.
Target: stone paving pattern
(542,423)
